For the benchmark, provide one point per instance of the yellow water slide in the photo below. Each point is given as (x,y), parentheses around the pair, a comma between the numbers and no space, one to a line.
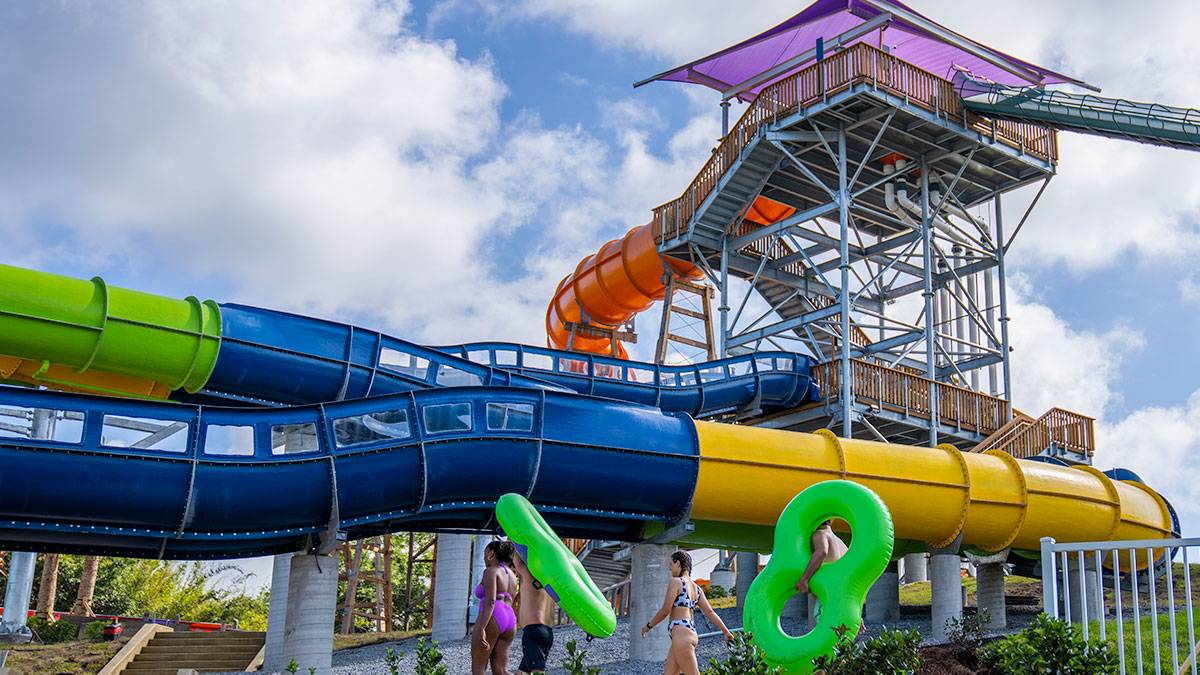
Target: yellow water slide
(939,496)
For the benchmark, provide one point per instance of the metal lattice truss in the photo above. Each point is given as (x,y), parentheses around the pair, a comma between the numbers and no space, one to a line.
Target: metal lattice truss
(893,251)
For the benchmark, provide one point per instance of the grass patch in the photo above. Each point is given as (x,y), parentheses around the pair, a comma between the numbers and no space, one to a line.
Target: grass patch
(67,658)
(1146,625)
(723,603)
(919,593)
(355,640)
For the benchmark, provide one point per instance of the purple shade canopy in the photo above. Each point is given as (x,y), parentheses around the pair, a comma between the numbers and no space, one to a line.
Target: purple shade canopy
(921,42)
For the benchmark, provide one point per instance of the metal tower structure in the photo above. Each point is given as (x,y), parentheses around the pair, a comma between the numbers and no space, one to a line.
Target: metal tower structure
(854,213)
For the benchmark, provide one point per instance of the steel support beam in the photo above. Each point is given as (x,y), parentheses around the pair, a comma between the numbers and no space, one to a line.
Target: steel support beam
(843,199)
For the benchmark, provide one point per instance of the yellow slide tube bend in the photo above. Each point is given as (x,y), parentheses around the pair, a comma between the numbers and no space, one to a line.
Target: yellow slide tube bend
(939,496)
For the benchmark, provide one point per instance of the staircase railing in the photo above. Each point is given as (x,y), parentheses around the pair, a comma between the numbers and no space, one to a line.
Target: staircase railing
(1060,428)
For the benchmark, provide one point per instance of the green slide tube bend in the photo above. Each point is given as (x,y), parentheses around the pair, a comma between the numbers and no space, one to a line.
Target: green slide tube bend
(554,566)
(841,586)
(89,325)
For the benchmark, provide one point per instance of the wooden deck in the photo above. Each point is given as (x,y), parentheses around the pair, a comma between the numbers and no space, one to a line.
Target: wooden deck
(907,394)
(859,64)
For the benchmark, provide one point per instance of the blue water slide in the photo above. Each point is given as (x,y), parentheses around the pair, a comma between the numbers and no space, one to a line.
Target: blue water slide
(183,481)
(765,380)
(269,357)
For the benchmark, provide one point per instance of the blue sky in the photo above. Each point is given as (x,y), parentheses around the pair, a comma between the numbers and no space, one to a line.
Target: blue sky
(434,169)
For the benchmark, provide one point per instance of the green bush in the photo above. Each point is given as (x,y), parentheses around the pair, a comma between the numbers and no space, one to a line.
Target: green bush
(94,630)
(574,663)
(53,631)
(429,659)
(392,660)
(966,634)
(1049,647)
(892,652)
(745,658)
(715,592)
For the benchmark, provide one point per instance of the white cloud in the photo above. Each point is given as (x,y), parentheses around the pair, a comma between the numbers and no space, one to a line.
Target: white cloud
(1189,289)
(1162,444)
(333,163)
(1054,364)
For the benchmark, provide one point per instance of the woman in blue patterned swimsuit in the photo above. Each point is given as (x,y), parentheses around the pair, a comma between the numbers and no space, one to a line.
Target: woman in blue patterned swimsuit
(683,597)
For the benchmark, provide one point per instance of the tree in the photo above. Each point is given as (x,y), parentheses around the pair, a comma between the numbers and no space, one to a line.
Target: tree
(48,586)
(87,586)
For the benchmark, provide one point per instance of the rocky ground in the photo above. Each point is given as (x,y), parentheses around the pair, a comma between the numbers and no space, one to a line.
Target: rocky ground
(610,655)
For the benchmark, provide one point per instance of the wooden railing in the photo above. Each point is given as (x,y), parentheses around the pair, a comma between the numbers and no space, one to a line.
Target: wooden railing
(858,64)
(907,394)
(1058,427)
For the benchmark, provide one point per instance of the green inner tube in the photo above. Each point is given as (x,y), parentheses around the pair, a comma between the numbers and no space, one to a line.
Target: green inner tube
(841,586)
(555,567)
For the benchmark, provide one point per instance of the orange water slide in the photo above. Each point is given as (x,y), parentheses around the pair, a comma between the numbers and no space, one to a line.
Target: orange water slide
(624,278)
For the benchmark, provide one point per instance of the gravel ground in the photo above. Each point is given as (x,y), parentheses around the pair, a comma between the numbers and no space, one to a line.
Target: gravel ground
(611,654)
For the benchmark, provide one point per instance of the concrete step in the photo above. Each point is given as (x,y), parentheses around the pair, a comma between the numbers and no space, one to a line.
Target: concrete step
(169,654)
(200,635)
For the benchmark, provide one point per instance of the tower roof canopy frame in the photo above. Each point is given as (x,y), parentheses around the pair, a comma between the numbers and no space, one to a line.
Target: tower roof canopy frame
(908,35)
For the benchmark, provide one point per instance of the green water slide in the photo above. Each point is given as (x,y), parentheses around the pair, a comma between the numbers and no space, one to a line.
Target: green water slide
(1151,123)
(91,327)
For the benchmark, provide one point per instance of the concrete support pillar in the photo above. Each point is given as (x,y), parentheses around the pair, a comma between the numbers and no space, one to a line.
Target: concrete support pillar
(989,595)
(812,610)
(796,608)
(651,571)
(453,587)
(747,570)
(916,567)
(311,603)
(479,542)
(1088,576)
(17,594)
(944,573)
(722,574)
(277,613)
(883,600)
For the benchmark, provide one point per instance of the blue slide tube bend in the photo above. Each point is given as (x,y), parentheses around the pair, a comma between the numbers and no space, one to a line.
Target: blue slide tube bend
(208,482)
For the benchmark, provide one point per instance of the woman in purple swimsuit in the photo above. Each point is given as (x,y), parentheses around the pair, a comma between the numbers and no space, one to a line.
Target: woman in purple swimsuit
(497,623)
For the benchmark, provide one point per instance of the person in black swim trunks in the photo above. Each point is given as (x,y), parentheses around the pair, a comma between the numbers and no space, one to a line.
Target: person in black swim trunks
(536,636)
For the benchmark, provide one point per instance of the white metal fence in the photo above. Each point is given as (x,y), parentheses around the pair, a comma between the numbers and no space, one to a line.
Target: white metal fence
(1131,595)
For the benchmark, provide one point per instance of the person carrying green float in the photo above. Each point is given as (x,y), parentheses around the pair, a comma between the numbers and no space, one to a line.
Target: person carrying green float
(535,603)
(808,556)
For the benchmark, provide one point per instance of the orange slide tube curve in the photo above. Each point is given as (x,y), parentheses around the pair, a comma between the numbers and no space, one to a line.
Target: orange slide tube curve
(624,278)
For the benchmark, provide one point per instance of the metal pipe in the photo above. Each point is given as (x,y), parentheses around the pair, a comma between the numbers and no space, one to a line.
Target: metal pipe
(989,299)
(1003,283)
(844,234)
(723,308)
(973,323)
(930,333)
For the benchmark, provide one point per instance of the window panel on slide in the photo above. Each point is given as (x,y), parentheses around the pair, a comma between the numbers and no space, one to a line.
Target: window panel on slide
(371,427)
(292,439)
(510,416)
(447,417)
(404,363)
(141,433)
(229,440)
(17,422)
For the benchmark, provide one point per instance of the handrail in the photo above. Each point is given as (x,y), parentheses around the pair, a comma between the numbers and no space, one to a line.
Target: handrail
(908,394)
(861,63)
(118,663)
(1065,429)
